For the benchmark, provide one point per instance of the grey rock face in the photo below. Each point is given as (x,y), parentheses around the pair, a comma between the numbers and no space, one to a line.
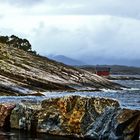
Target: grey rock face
(116,124)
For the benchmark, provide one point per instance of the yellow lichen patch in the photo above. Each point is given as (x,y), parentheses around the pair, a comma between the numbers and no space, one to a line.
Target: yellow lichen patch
(65,105)
(101,104)
(72,110)
(98,106)
(74,122)
(62,106)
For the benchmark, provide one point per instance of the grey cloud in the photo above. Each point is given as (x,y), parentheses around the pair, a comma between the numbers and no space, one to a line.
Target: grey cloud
(114,41)
(123,8)
(1,16)
(6,31)
(22,3)
(55,41)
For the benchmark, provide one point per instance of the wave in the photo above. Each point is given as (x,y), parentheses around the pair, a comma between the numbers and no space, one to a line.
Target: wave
(131,89)
(109,90)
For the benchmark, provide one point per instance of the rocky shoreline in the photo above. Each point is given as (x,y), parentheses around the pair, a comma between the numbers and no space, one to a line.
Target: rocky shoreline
(22,73)
(76,116)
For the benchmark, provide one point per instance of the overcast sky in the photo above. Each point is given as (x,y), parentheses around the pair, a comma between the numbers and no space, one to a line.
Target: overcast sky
(94,31)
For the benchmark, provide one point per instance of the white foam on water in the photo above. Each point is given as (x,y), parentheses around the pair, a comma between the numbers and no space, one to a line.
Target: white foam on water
(109,90)
(131,89)
(137,80)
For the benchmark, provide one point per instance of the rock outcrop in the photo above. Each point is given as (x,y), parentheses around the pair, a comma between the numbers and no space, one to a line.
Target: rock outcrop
(5,112)
(116,124)
(71,115)
(26,73)
(93,118)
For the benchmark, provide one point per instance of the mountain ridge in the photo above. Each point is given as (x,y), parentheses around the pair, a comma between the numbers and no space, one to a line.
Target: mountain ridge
(115,69)
(66,60)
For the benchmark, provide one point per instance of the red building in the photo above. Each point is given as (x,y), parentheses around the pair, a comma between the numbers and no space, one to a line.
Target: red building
(102,71)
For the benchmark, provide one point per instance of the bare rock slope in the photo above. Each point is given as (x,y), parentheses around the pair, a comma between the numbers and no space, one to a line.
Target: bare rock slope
(23,72)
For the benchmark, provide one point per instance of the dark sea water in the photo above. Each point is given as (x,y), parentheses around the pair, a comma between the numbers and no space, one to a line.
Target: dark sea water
(20,135)
(128,98)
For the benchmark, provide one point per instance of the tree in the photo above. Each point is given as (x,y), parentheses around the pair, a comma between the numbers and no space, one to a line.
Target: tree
(4,39)
(17,42)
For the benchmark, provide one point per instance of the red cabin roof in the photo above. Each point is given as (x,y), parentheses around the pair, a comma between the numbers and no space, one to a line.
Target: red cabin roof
(102,71)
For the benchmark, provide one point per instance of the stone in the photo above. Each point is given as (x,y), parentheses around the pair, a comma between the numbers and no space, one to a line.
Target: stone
(83,117)
(23,116)
(5,112)
(127,124)
(116,124)
(71,115)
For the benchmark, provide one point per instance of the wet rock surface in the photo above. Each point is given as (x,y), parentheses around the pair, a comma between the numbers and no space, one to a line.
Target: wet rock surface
(93,118)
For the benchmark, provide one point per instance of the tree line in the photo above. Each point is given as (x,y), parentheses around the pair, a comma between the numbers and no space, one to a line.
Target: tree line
(17,42)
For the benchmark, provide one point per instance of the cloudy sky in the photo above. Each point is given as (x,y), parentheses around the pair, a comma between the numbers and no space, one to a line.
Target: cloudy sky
(94,31)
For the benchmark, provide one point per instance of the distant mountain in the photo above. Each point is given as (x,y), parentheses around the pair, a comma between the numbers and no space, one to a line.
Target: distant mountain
(92,60)
(116,69)
(66,60)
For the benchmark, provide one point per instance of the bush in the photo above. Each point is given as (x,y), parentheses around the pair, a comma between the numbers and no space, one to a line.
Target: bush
(4,39)
(16,42)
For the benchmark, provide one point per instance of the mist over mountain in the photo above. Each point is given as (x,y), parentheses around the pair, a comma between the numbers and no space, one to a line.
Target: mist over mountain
(115,69)
(66,60)
(91,60)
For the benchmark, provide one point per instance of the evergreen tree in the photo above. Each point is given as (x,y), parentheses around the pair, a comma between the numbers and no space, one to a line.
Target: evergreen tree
(16,42)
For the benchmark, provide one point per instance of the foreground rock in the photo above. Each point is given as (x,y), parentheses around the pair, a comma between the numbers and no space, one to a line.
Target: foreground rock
(5,112)
(24,116)
(93,118)
(71,115)
(116,124)
(25,73)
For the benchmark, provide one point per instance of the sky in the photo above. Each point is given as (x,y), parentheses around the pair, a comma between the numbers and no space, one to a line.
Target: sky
(93,31)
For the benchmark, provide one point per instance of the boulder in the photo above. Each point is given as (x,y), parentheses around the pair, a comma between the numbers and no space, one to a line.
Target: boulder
(71,115)
(5,112)
(127,124)
(116,124)
(23,116)
(93,118)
